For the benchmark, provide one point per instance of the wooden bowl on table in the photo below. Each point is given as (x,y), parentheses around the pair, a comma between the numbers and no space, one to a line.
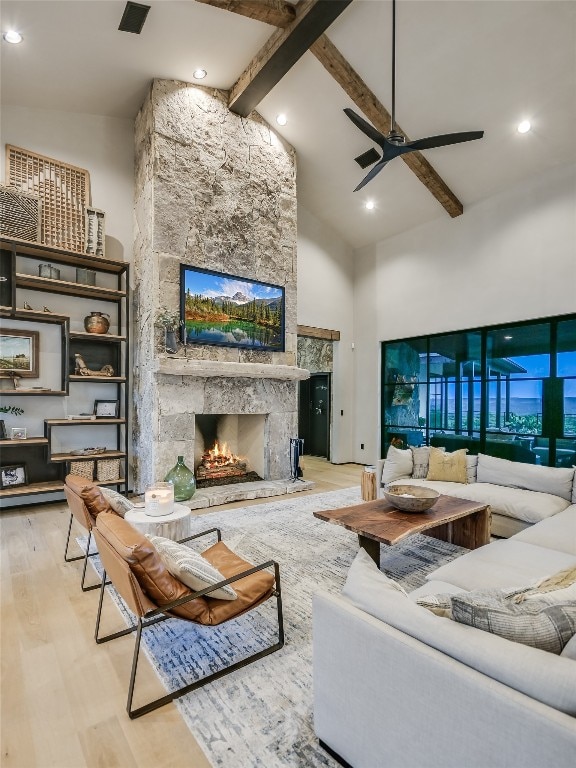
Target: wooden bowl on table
(411,498)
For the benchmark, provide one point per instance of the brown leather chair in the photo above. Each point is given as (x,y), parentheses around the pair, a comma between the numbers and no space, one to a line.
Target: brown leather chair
(86,501)
(135,569)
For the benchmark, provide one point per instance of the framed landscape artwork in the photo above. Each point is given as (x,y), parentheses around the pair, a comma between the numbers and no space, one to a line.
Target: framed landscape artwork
(19,353)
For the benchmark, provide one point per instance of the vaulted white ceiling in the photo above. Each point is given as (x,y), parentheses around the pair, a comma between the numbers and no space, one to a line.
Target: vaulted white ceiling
(462,65)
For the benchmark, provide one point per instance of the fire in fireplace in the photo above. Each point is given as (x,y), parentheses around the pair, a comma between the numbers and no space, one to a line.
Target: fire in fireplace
(228,449)
(219,461)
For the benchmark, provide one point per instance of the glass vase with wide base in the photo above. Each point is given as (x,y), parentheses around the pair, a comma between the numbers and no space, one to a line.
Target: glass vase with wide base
(182,478)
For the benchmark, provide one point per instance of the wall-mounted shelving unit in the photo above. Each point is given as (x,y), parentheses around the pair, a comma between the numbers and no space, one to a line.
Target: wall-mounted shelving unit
(64,303)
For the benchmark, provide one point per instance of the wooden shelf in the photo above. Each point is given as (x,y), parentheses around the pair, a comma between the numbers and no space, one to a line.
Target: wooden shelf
(27,441)
(59,457)
(74,422)
(61,255)
(36,393)
(103,337)
(91,379)
(46,284)
(33,488)
(20,261)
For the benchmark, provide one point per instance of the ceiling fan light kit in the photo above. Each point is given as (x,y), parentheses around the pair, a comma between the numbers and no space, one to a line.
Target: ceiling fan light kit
(394,143)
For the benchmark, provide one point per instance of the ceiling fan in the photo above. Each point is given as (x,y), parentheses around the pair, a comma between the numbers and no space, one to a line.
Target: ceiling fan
(394,143)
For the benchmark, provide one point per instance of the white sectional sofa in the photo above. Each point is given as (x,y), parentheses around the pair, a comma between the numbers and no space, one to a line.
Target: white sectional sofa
(519,494)
(397,686)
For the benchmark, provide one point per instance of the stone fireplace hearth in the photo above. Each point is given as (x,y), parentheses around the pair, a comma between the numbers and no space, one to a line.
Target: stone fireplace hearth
(218,192)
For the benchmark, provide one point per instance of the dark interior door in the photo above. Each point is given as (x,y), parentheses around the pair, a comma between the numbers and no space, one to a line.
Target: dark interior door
(314,414)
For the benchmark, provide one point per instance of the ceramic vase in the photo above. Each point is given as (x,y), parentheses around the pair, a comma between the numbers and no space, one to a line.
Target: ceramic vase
(182,479)
(97,322)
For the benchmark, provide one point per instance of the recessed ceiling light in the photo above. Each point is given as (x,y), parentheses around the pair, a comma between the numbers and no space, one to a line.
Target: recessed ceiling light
(281,119)
(524,126)
(12,36)
(199,74)
(507,338)
(369,204)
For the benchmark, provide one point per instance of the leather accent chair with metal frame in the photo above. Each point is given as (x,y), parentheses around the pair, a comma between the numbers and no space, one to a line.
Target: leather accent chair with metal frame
(135,569)
(86,502)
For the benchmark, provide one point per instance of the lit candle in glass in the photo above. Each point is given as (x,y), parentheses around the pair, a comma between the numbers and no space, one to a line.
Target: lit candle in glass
(159,499)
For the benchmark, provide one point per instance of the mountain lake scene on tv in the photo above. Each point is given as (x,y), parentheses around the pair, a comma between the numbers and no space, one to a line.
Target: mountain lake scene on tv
(223,310)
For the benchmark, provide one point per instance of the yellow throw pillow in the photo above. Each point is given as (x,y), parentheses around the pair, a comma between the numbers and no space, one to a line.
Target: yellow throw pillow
(447,466)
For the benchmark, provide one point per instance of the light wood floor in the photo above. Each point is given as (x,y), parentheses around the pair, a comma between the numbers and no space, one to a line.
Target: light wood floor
(63,698)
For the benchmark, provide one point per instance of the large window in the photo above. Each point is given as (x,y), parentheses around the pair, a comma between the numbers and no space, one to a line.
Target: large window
(507,391)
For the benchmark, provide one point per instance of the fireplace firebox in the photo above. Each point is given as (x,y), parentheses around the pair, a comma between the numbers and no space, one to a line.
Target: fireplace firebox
(229,448)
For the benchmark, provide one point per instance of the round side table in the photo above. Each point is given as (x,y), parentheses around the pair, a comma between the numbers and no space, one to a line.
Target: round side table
(176,525)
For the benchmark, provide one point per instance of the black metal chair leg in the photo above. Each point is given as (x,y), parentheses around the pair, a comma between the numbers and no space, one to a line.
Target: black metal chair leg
(160,702)
(66,558)
(87,554)
(84,557)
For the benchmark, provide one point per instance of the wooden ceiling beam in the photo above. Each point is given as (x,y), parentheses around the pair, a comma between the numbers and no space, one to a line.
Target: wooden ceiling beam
(278,13)
(357,90)
(282,51)
(281,14)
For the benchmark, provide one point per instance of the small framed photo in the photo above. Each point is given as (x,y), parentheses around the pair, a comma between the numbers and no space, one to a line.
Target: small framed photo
(13,476)
(106,409)
(18,433)
(3,434)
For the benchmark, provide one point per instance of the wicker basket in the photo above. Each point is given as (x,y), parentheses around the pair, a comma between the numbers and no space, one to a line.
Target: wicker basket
(82,468)
(107,470)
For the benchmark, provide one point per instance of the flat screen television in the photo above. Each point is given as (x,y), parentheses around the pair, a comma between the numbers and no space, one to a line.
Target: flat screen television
(230,311)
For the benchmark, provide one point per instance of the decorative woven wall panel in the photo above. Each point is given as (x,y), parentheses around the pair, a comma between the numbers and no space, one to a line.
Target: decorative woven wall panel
(63,189)
(20,214)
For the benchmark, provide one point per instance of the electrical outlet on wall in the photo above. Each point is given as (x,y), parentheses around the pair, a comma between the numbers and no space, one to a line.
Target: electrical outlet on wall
(361,446)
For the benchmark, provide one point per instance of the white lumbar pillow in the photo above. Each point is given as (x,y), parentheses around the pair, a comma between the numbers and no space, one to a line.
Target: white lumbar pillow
(399,464)
(190,568)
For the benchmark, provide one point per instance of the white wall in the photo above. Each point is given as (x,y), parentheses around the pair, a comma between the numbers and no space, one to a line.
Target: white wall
(325,300)
(104,146)
(511,257)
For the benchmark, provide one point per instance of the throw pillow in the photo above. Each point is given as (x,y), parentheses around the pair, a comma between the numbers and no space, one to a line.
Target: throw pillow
(441,605)
(120,504)
(190,568)
(421,457)
(471,468)
(569,651)
(541,623)
(450,467)
(398,465)
(364,577)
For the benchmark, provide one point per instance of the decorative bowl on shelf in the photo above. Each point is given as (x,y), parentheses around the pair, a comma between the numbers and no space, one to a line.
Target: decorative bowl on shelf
(88,451)
(411,498)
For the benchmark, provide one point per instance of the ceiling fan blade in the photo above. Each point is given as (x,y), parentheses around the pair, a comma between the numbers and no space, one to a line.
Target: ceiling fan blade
(444,140)
(373,172)
(365,127)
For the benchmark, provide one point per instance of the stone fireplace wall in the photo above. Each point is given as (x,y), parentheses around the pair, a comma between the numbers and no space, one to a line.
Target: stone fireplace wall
(216,191)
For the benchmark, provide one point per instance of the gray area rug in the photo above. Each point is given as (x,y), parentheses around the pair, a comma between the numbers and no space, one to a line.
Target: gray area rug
(261,716)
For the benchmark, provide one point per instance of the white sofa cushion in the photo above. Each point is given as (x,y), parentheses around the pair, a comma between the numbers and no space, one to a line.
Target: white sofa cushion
(543,676)
(398,464)
(531,477)
(574,488)
(557,532)
(512,502)
(569,651)
(505,564)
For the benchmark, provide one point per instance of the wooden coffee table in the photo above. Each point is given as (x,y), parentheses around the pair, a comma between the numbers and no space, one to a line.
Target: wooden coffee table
(461,522)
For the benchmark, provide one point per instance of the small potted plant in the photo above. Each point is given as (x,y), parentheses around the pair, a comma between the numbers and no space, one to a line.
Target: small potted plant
(170,321)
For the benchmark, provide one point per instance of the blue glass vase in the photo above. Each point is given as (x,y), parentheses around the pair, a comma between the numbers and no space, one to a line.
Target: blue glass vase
(182,479)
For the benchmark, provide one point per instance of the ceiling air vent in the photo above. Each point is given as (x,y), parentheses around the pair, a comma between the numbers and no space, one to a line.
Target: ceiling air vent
(134,17)
(367,158)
